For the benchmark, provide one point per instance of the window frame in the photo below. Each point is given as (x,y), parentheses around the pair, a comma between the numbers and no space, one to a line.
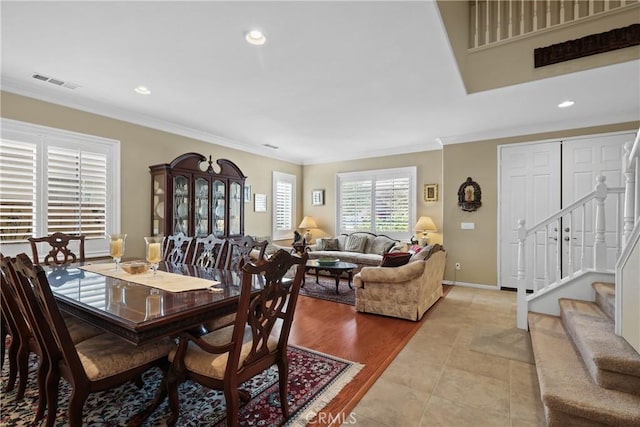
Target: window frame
(282,234)
(377,175)
(44,137)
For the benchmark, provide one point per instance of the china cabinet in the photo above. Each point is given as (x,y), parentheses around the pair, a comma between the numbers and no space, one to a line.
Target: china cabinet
(190,196)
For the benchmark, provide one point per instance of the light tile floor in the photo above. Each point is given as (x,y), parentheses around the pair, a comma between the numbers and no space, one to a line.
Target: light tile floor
(437,380)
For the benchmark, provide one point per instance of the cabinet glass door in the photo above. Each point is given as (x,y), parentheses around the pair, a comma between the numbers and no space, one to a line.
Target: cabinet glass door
(158,222)
(202,207)
(235,198)
(181,205)
(218,208)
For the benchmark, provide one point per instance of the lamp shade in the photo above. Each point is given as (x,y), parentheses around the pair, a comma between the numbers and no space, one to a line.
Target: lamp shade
(308,222)
(425,223)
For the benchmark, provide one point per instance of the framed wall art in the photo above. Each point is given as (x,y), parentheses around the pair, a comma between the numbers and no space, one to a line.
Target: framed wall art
(317,197)
(469,196)
(247,193)
(431,192)
(260,202)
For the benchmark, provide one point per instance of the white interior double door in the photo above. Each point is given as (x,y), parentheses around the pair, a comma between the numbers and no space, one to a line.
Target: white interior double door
(539,179)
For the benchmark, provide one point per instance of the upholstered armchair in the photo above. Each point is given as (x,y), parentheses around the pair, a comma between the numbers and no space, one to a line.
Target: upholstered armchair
(406,291)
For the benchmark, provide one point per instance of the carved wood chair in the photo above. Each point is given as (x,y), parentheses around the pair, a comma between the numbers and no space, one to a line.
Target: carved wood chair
(106,362)
(209,251)
(60,252)
(177,248)
(239,252)
(18,303)
(225,358)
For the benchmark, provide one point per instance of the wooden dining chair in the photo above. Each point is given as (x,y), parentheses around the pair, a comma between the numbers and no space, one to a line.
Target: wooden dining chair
(59,253)
(99,363)
(16,303)
(225,358)
(239,252)
(177,248)
(209,252)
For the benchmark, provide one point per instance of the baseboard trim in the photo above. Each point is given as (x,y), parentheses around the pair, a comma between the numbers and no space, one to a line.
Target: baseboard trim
(471,285)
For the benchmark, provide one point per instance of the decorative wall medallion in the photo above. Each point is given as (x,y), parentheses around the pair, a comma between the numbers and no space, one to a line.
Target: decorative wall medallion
(469,195)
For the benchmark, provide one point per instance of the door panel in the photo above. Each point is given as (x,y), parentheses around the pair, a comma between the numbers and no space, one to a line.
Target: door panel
(528,182)
(582,161)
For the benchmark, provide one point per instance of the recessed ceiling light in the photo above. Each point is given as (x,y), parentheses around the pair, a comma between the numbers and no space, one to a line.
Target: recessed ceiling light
(565,104)
(142,90)
(255,37)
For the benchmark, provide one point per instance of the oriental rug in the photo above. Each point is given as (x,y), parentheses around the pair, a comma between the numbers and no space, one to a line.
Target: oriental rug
(326,289)
(314,380)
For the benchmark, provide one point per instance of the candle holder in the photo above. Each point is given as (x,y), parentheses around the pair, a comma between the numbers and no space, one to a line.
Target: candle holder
(116,248)
(154,251)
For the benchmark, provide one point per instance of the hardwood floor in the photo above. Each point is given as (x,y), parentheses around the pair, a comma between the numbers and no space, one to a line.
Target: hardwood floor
(337,329)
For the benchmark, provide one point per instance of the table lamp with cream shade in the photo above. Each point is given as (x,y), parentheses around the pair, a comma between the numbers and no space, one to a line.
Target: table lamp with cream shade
(425,225)
(308,223)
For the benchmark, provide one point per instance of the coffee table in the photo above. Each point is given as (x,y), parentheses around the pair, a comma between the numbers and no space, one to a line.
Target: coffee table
(335,269)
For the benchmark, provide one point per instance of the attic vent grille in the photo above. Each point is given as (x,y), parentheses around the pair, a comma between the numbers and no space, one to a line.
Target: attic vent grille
(55,81)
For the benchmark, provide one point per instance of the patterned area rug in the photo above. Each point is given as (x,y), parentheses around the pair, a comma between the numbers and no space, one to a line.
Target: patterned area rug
(314,379)
(326,289)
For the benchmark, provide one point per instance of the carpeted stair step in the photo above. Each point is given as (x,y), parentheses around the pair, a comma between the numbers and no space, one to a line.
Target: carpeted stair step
(606,297)
(569,396)
(611,361)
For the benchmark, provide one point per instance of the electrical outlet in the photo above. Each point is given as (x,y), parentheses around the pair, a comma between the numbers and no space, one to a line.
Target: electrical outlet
(458,266)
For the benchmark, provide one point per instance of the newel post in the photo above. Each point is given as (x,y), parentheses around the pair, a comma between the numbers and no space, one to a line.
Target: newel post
(523,307)
(600,246)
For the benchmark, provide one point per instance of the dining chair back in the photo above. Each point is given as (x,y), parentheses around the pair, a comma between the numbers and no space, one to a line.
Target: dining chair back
(106,361)
(23,340)
(59,253)
(227,357)
(177,248)
(239,252)
(209,251)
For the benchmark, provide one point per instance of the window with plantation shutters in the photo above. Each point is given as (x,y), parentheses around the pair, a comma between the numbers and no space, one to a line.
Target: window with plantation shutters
(284,196)
(379,201)
(76,192)
(56,181)
(17,190)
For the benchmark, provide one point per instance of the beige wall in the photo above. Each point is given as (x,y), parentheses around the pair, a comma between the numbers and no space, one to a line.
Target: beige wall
(477,250)
(510,63)
(323,176)
(141,147)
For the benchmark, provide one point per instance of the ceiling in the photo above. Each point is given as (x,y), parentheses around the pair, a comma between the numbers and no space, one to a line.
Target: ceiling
(335,80)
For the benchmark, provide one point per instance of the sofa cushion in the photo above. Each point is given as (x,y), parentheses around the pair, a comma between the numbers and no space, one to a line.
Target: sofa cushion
(381,245)
(395,259)
(327,244)
(426,252)
(356,243)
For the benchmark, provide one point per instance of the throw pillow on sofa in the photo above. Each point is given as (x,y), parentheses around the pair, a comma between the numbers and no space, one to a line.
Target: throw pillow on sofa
(395,259)
(381,245)
(355,243)
(327,244)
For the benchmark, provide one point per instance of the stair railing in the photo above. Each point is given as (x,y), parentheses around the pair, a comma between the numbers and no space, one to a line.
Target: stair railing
(627,219)
(539,235)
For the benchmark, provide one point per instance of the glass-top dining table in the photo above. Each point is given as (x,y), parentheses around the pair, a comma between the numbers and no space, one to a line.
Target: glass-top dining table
(139,313)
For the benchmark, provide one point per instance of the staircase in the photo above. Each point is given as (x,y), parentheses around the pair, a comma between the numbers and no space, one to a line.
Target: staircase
(588,375)
(585,330)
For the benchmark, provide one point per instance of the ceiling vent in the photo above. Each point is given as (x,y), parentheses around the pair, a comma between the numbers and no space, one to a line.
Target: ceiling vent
(55,81)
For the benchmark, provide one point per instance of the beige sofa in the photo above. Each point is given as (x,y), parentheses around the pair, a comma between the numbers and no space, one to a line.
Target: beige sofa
(407,291)
(361,248)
